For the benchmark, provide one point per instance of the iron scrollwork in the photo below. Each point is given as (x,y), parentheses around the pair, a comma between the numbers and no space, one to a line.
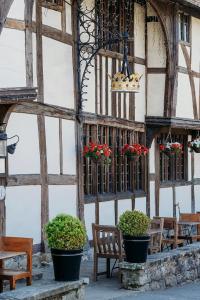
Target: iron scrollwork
(99,28)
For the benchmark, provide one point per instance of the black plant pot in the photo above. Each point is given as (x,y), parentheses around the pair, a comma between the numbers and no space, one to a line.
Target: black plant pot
(136,248)
(66,264)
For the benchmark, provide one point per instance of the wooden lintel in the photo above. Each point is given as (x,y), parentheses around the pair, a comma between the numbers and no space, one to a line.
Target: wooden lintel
(35,179)
(183,123)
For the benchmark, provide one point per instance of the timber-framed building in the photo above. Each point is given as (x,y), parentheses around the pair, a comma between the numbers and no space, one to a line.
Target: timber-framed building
(40,102)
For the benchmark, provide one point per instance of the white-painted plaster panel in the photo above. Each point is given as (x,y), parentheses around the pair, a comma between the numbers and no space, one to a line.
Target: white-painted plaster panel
(140,204)
(12,58)
(181,58)
(34,60)
(196,165)
(89,213)
(195,44)
(2,165)
(139,30)
(26,159)
(184,106)
(197,197)
(166,202)
(106,213)
(189,166)
(155,94)
(68,18)
(140,98)
(109,87)
(62,199)
(124,205)
(183,197)
(17,10)
(89,105)
(152,199)
(58,73)
(152,158)
(51,18)
(69,149)
(52,142)
(23,212)
(197,91)
(156,46)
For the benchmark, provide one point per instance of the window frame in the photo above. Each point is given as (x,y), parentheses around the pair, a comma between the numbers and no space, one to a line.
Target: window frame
(184,35)
(116,177)
(53,6)
(170,167)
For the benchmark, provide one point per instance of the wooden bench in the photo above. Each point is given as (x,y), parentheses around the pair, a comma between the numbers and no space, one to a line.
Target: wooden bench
(12,247)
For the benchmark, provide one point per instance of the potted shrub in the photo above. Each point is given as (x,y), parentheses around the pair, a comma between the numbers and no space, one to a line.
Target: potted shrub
(134,226)
(172,149)
(195,145)
(97,152)
(66,236)
(135,151)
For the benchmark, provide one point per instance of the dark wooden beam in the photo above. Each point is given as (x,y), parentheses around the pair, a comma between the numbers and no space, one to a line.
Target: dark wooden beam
(159,122)
(4,10)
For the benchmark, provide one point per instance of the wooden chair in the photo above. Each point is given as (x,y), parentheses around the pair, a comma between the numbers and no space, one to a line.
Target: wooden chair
(155,245)
(16,245)
(170,230)
(107,244)
(191,217)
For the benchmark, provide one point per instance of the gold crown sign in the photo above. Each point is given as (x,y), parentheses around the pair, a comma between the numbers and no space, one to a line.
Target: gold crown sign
(126,84)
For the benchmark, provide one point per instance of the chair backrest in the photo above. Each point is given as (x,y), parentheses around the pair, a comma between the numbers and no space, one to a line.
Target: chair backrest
(18,244)
(157,223)
(190,217)
(171,224)
(107,240)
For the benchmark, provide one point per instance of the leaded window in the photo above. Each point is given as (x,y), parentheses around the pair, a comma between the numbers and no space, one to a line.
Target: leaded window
(174,168)
(184,27)
(121,175)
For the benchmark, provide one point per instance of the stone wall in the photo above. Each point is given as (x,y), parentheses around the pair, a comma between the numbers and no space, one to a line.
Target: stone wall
(163,269)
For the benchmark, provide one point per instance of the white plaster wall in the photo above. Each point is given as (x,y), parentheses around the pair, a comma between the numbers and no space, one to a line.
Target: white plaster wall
(23,212)
(34,60)
(106,213)
(155,94)
(197,197)
(69,148)
(140,204)
(68,9)
(58,73)
(51,18)
(156,46)
(89,105)
(196,165)
(12,58)
(195,44)
(62,199)
(183,197)
(152,199)
(189,161)
(89,212)
(166,202)
(17,10)
(124,205)
(197,91)
(109,87)
(26,159)
(184,106)
(2,165)
(152,158)
(140,98)
(52,142)
(139,27)
(181,58)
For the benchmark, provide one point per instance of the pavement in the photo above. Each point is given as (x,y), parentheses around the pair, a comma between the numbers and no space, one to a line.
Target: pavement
(110,289)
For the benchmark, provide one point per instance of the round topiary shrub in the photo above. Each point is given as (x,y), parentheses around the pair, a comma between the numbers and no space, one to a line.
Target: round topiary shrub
(133,223)
(65,232)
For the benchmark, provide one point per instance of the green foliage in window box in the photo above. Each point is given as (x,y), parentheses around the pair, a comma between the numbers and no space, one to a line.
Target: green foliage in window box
(134,223)
(65,232)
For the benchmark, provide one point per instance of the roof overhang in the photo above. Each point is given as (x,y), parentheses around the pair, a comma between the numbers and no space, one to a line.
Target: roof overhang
(190,6)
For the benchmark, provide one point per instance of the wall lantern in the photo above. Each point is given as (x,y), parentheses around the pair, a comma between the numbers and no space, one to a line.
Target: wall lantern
(124,81)
(4,149)
(3,141)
